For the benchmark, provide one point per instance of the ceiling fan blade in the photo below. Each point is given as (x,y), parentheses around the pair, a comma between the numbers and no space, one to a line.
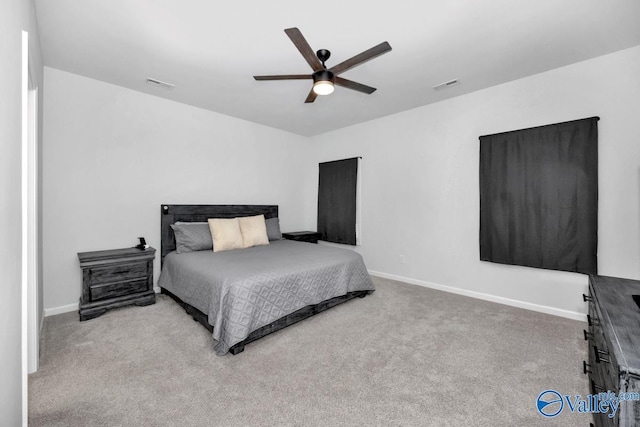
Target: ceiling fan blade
(285,77)
(311,97)
(361,58)
(303,46)
(350,84)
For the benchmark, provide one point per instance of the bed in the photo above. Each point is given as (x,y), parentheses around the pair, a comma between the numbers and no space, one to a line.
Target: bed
(242,295)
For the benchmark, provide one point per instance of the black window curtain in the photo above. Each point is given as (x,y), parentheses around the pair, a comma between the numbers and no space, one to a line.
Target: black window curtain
(539,197)
(337,184)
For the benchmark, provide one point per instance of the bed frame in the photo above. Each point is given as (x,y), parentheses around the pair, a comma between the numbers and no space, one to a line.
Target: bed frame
(197,213)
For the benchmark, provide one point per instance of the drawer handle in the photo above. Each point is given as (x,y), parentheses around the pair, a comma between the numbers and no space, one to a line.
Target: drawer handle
(584,367)
(599,353)
(592,320)
(586,298)
(587,335)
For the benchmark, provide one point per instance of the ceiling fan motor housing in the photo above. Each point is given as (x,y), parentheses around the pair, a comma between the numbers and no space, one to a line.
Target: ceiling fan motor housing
(323,82)
(323,75)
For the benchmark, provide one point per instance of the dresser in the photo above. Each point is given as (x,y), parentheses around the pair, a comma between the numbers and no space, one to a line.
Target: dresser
(614,345)
(115,278)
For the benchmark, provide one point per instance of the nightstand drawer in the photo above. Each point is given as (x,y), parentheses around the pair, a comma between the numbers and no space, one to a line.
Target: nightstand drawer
(112,290)
(118,273)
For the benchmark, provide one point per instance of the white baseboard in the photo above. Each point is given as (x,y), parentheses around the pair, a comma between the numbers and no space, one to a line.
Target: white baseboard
(62,309)
(573,315)
(72,307)
(473,294)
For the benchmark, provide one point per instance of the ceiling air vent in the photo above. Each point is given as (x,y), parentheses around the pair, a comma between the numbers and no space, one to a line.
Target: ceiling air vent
(161,84)
(446,84)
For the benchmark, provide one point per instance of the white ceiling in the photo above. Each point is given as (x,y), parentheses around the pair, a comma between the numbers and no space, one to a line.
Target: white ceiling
(211,49)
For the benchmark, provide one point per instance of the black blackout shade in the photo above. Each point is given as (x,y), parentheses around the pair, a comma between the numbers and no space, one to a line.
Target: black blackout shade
(539,197)
(337,201)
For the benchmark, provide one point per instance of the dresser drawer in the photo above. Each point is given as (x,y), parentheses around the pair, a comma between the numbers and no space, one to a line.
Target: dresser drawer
(604,360)
(610,374)
(118,273)
(594,311)
(112,290)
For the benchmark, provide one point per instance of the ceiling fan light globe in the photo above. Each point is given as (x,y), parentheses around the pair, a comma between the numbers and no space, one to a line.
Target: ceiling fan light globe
(323,87)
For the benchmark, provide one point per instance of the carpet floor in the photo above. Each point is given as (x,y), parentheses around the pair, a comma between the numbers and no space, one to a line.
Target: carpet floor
(403,356)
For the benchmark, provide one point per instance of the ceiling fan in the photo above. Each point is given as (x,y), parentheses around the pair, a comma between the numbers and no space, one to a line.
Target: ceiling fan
(323,78)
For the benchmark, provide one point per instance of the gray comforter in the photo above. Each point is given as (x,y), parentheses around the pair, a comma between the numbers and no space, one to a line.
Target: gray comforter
(245,289)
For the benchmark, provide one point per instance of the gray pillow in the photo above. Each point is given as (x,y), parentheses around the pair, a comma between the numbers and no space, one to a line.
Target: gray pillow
(273,229)
(192,236)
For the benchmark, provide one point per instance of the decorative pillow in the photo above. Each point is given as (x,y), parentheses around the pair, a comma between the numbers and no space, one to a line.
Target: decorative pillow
(225,233)
(192,236)
(254,231)
(273,229)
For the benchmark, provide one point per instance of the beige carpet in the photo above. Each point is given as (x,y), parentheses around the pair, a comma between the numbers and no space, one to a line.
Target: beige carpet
(405,355)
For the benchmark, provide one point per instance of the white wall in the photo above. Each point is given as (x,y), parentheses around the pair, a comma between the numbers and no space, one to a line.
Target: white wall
(420,181)
(17,15)
(112,156)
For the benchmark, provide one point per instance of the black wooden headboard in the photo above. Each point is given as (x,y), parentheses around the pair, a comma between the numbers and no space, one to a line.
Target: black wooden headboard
(170,214)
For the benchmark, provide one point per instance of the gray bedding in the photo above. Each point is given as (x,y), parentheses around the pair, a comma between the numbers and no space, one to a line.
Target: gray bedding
(244,289)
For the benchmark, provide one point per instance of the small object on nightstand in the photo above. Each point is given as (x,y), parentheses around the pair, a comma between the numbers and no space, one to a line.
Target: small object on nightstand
(143,244)
(303,236)
(115,278)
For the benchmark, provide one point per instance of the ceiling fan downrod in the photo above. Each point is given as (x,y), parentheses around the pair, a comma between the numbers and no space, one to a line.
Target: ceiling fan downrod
(323,55)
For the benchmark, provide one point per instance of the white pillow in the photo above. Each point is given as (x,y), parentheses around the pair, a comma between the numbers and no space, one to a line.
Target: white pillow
(254,231)
(225,233)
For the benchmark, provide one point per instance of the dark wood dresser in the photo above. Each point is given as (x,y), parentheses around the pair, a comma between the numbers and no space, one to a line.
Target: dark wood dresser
(614,345)
(115,278)
(303,236)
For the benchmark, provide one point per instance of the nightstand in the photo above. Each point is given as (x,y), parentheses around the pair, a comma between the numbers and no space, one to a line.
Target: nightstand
(115,278)
(303,236)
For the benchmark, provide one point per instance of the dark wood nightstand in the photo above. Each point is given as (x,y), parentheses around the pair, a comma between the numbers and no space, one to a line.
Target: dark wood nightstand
(303,236)
(115,278)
